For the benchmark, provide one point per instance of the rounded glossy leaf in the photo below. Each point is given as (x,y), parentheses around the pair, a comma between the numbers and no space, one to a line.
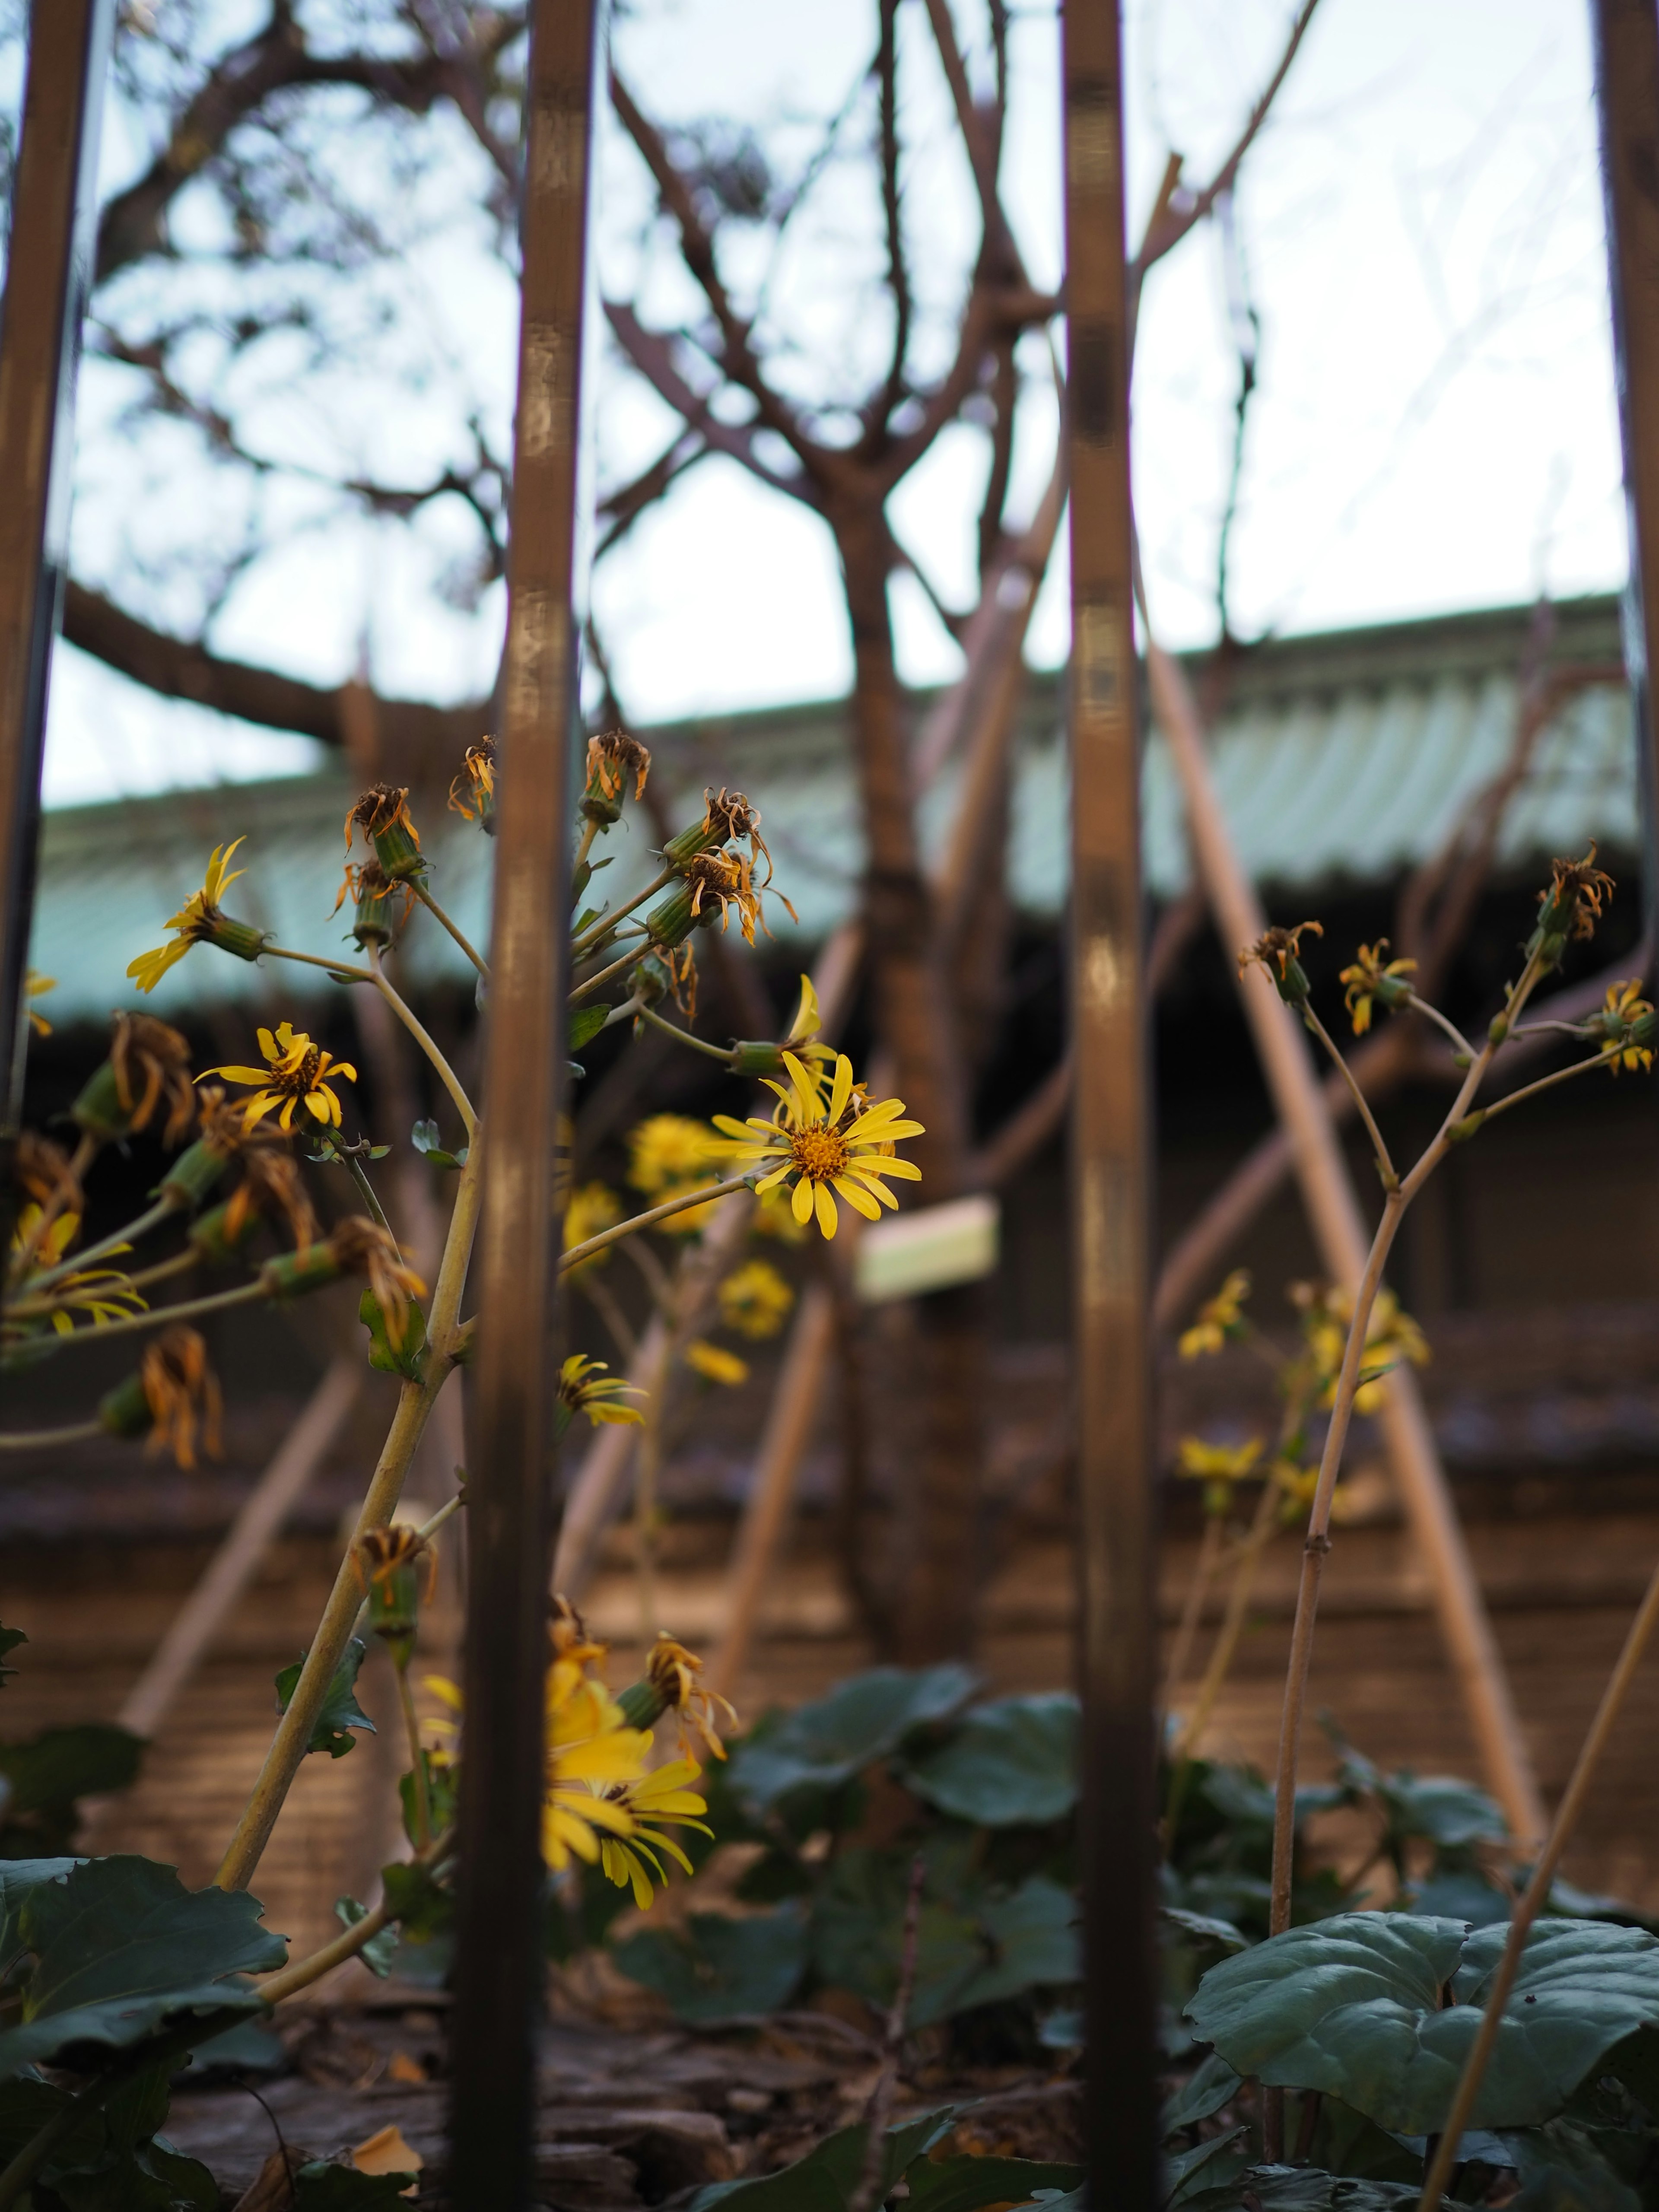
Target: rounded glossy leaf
(1006,1764)
(826,1743)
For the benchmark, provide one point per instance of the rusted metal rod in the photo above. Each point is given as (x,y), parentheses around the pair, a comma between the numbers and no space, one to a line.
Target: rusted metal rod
(54,203)
(499,1962)
(1110,1153)
(1626,35)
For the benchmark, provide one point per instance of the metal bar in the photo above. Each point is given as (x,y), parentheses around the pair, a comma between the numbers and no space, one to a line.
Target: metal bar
(1627,36)
(1110,1153)
(499,1966)
(47,273)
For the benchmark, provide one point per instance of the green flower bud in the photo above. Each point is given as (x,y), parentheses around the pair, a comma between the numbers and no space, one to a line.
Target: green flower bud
(125,1410)
(756,1060)
(192,1175)
(215,1238)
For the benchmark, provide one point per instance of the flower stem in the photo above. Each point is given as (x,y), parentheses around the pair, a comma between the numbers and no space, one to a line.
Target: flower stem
(446,1074)
(1221,1658)
(1548,1082)
(415,1402)
(1385,1166)
(245,1294)
(289,1980)
(434,908)
(594,936)
(1433,1014)
(1209,1554)
(315,960)
(670,1206)
(628,960)
(412,1731)
(151,1218)
(1536,1895)
(32,1439)
(684,1036)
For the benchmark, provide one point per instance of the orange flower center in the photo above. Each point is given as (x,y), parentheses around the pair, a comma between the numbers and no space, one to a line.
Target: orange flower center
(820,1153)
(295,1073)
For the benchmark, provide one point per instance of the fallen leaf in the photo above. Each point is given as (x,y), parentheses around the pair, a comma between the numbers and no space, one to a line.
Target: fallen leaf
(386,2152)
(400,2067)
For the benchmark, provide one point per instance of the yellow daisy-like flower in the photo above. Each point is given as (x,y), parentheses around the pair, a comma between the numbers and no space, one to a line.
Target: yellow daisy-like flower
(669,1153)
(36,987)
(825,1148)
(101,1294)
(1616,1023)
(755,1299)
(1392,1338)
(585,1388)
(672,1672)
(714,1364)
(297,1073)
(591,1209)
(658,1798)
(1370,979)
(197,920)
(588,1751)
(1219,1467)
(1218,1318)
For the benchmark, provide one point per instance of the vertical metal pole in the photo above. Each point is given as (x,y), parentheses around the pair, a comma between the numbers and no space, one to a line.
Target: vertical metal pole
(499,1965)
(52,211)
(1110,1151)
(1627,33)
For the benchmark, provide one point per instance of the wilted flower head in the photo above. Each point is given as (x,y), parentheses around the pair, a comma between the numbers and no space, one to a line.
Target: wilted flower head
(361,1247)
(1570,908)
(40,1170)
(271,1185)
(182,1394)
(586,1387)
(1278,951)
(1625,1020)
(613,759)
(382,814)
(1219,1319)
(1369,979)
(672,1672)
(472,794)
(724,879)
(382,906)
(729,819)
(148,1065)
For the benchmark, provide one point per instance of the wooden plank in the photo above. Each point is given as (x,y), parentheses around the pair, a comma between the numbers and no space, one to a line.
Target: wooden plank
(1111,1149)
(48,258)
(499,1970)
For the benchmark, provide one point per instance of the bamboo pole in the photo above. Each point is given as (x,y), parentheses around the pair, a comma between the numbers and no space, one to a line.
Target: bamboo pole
(48,258)
(499,1977)
(1627,38)
(1111,1155)
(1343,1239)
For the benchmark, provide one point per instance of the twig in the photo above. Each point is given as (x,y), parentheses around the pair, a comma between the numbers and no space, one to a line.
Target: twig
(869,2193)
(1537,1892)
(614,1235)
(446,1074)
(438,914)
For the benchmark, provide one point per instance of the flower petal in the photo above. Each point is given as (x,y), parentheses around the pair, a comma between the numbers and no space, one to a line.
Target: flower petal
(268,1044)
(857,1197)
(841,1090)
(800,1201)
(828,1219)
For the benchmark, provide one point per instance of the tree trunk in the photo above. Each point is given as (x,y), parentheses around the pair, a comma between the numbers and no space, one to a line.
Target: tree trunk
(937,1414)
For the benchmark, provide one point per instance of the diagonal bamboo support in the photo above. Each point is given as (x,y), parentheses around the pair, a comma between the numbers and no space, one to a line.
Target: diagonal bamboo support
(1340,1233)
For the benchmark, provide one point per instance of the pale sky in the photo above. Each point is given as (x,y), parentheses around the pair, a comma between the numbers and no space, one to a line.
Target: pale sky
(1434,428)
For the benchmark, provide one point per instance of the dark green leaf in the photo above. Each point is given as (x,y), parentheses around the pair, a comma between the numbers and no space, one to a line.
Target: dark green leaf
(1306,2188)
(376,1953)
(385,1357)
(426,1139)
(1463,1895)
(1208,2165)
(421,1907)
(323,2187)
(1201,1928)
(1198,2098)
(1031,1935)
(1561,2170)
(720,1968)
(442,1799)
(825,2180)
(586,1022)
(1435,1807)
(826,1743)
(340,1710)
(10,1640)
(152,2177)
(17,1878)
(122,1945)
(52,1770)
(1351,2006)
(1011,1763)
(966,2185)
(252,2046)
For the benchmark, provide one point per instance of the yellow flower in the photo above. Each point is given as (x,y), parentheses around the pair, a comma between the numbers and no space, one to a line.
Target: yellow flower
(1219,1318)
(670,1153)
(1218,1467)
(588,1750)
(1369,979)
(197,920)
(672,1672)
(1391,1337)
(297,1071)
(36,987)
(103,1293)
(591,1209)
(755,1299)
(1298,1485)
(655,1798)
(585,1387)
(840,1145)
(713,1363)
(1622,1010)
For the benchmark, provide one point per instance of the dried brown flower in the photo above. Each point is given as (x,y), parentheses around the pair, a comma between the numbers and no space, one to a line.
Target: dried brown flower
(361,1247)
(40,1170)
(612,758)
(151,1063)
(182,1393)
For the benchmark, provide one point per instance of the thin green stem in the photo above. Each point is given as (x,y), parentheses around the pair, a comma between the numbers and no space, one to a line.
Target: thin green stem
(628,960)
(1548,1082)
(415,1402)
(590,831)
(684,1036)
(315,960)
(596,934)
(578,1252)
(446,1074)
(1433,1014)
(1221,1658)
(245,1294)
(448,1511)
(437,912)
(152,1218)
(33,1439)
(31,1309)
(1385,1166)
(1536,1896)
(291,1979)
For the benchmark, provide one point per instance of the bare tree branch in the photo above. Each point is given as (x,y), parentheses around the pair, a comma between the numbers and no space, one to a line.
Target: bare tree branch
(652,354)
